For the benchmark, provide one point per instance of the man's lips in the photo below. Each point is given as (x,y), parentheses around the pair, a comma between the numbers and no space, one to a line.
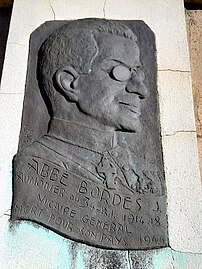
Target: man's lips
(132,107)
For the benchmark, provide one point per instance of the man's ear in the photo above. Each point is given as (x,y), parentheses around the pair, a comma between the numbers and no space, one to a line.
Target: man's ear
(66,79)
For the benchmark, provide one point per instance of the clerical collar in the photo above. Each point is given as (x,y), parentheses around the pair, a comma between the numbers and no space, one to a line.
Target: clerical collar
(81,135)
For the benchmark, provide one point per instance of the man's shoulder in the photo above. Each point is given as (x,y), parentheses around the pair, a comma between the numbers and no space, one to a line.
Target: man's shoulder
(51,153)
(39,150)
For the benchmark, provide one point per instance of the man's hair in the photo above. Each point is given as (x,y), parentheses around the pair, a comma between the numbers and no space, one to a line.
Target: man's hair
(74,44)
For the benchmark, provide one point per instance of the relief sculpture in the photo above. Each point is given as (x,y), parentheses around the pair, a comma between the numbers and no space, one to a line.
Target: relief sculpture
(95,175)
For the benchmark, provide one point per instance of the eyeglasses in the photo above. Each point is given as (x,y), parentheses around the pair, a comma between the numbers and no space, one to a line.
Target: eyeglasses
(123,73)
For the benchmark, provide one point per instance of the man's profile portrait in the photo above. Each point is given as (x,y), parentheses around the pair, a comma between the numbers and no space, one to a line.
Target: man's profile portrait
(82,169)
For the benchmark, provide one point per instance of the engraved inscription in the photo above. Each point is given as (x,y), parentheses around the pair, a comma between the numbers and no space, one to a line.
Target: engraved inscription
(105,217)
(27,134)
(92,170)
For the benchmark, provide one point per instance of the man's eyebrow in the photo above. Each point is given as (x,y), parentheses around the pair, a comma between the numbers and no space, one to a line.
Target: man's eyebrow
(108,61)
(113,60)
(120,62)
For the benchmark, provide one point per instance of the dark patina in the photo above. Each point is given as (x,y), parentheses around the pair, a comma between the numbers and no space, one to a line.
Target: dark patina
(89,164)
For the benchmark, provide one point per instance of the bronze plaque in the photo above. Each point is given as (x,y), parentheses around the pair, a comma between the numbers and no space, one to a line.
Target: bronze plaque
(89,164)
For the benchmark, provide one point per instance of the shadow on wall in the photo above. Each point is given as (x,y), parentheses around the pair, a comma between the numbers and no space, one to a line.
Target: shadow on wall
(193,4)
(5,15)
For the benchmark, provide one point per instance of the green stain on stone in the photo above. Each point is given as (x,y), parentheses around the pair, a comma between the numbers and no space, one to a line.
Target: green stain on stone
(79,261)
(27,244)
(160,259)
(178,258)
(168,258)
(64,259)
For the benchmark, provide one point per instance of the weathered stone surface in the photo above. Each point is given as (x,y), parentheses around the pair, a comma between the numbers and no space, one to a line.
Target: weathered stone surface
(194,28)
(89,165)
(27,244)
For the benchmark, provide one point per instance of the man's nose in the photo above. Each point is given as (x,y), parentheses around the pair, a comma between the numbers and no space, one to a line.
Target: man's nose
(136,85)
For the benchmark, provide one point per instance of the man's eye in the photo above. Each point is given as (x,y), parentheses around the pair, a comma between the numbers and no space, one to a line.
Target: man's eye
(120,73)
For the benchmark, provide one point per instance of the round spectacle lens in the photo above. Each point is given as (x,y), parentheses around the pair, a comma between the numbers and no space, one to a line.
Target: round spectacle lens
(121,73)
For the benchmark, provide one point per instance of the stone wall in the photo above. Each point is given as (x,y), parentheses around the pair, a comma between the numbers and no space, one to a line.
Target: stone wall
(25,245)
(194,31)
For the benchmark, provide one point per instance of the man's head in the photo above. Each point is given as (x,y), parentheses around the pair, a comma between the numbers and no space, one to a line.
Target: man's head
(94,64)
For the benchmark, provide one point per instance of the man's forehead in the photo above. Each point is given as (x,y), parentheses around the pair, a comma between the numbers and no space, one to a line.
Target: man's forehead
(118,48)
